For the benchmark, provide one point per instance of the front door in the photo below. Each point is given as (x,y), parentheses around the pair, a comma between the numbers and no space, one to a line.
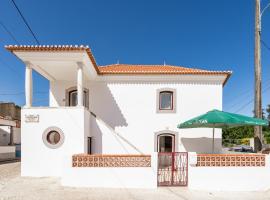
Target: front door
(172,166)
(166,143)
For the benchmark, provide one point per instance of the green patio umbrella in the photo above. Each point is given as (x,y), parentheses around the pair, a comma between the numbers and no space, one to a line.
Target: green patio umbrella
(219,119)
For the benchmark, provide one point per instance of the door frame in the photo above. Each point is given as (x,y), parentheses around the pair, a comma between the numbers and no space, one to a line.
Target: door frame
(166,134)
(166,131)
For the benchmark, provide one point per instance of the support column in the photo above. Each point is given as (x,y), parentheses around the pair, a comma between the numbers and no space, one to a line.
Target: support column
(28,85)
(11,138)
(80,84)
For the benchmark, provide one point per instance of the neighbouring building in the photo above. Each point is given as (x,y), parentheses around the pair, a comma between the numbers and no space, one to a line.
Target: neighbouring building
(10,131)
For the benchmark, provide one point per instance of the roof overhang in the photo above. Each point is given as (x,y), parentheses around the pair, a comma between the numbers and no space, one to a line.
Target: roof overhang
(57,63)
(60,62)
(168,78)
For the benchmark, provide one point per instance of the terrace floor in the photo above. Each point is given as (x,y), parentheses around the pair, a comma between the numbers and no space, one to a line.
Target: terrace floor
(12,186)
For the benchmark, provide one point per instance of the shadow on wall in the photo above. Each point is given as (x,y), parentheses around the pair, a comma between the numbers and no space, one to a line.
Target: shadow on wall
(201,145)
(105,106)
(96,137)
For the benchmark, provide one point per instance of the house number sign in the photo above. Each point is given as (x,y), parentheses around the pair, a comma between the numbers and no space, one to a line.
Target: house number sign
(32,118)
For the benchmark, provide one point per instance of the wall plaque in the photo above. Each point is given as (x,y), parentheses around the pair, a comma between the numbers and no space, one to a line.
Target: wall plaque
(32,118)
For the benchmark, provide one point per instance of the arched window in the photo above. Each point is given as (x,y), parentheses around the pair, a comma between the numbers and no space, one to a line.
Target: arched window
(166,100)
(71,97)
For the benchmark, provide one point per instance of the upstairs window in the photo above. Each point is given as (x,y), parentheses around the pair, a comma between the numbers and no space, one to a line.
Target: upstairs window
(166,102)
(71,97)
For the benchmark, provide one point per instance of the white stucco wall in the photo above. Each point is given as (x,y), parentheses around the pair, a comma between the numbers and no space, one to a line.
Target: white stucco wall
(129,109)
(37,158)
(16,135)
(126,122)
(57,92)
(110,177)
(7,152)
(230,178)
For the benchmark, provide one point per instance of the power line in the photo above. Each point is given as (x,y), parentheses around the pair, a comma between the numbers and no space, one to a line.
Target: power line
(11,94)
(249,102)
(265,45)
(25,22)
(11,68)
(9,32)
(20,93)
(242,94)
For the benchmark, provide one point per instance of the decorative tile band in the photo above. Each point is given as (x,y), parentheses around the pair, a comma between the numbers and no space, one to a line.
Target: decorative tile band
(87,160)
(230,160)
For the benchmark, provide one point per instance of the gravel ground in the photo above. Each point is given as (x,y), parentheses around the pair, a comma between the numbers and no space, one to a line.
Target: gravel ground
(13,186)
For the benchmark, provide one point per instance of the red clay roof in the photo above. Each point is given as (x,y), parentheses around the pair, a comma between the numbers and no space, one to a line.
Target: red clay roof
(157,69)
(121,69)
(54,48)
(154,69)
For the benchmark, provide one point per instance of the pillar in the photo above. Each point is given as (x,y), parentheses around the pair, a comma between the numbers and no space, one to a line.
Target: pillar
(28,85)
(80,84)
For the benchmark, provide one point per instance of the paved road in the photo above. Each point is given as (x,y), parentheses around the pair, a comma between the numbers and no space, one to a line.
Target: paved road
(12,186)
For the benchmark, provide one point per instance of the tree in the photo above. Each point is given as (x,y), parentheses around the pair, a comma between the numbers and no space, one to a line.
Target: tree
(268,112)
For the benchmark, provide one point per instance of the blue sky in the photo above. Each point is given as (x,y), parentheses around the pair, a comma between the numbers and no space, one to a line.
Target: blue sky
(209,34)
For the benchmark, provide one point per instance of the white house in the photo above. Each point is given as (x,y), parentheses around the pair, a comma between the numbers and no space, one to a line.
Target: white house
(118,112)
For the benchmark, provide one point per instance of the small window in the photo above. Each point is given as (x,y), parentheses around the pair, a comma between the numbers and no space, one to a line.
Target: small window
(53,137)
(73,98)
(166,100)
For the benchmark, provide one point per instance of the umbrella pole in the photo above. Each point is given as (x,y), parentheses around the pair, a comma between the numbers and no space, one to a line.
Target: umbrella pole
(213,140)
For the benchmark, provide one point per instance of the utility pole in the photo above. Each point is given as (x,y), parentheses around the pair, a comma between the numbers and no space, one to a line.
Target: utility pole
(258,79)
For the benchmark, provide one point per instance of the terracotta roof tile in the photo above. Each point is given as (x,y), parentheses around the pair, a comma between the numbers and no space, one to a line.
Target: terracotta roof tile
(153,69)
(54,48)
(126,69)
(121,69)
